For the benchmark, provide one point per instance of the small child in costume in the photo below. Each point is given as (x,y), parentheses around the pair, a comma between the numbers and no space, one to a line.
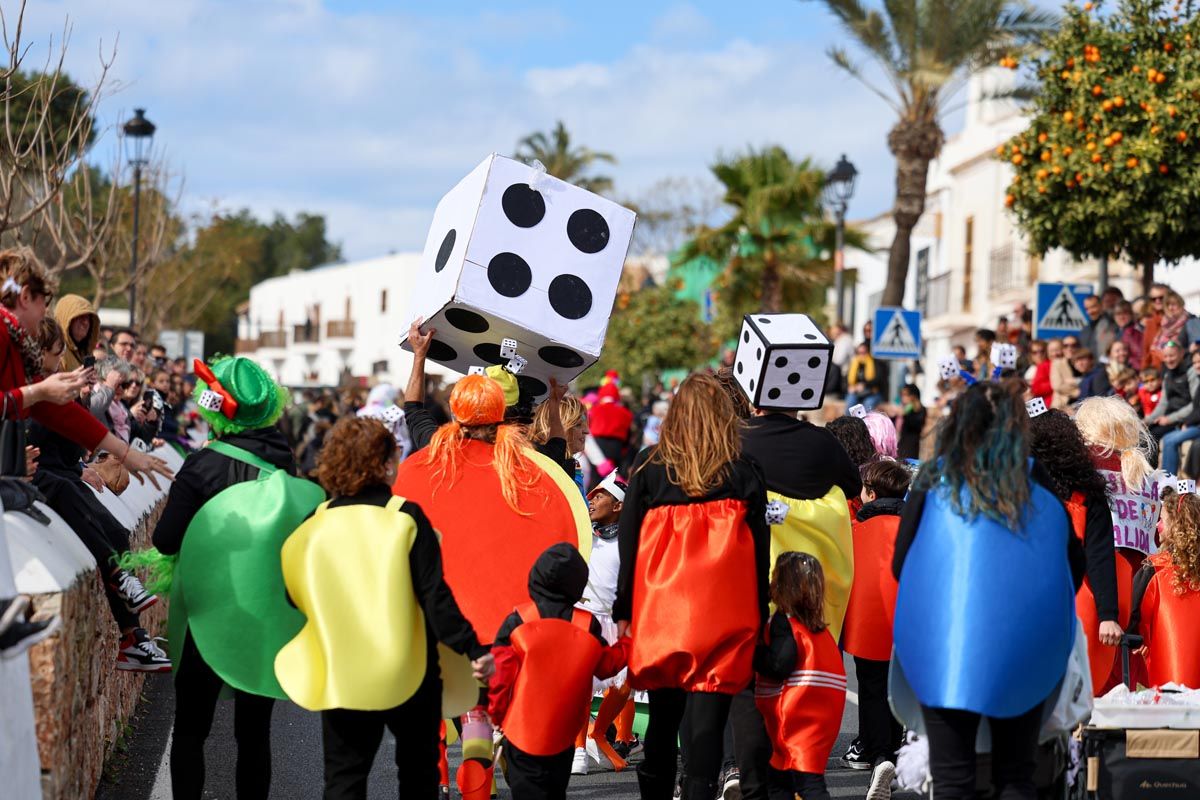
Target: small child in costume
(867,631)
(801,684)
(604,507)
(546,653)
(1166,596)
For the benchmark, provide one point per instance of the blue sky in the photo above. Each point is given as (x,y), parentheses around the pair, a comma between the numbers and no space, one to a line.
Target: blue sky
(369,111)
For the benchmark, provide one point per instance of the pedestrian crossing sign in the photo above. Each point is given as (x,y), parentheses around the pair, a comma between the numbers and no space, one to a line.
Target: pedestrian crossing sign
(1059,309)
(896,333)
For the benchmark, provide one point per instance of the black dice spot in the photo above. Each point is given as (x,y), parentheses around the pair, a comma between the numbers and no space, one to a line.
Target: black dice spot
(746,337)
(781,361)
(767,320)
(758,354)
(557,356)
(570,296)
(466,320)
(807,394)
(531,386)
(752,384)
(444,251)
(489,352)
(440,351)
(812,336)
(587,230)
(794,378)
(509,275)
(774,394)
(524,207)
(814,362)
(739,368)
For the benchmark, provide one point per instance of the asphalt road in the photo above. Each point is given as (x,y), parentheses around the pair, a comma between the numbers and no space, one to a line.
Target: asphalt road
(140,771)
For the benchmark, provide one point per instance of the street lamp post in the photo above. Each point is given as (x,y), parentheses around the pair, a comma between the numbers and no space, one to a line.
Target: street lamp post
(138,133)
(839,188)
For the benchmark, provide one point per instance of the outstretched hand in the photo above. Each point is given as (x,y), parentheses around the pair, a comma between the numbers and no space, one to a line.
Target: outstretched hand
(420,341)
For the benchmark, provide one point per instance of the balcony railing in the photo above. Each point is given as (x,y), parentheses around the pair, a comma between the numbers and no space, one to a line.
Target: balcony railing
(245,346)
(306,334)
(939,295)
(1008,269)
(340,329)
(272,339)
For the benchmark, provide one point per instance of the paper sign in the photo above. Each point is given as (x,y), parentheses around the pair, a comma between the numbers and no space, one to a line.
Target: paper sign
(1134,513)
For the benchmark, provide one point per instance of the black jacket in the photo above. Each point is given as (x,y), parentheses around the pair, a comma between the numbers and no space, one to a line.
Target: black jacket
(556,584)
(881,506)
(798,459)
(206,473)
(444,621)
(1175,387)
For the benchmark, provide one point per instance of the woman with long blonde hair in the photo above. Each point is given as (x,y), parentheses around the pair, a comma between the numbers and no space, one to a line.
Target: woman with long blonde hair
(694,545)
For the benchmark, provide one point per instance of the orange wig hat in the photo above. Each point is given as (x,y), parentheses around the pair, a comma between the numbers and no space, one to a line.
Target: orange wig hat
(477,400)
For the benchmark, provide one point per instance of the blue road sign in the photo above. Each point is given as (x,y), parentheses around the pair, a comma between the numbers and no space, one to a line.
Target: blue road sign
(896,333)
(1058,310)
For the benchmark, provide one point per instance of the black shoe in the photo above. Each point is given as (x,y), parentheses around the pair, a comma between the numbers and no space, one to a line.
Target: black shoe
(137,652)
(854,758)
(701,789)
(628,750)
(18,633)
(730,783)
(127,587)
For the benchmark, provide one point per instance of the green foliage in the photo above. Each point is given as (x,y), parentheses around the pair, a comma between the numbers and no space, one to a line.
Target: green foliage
(69,127)
(563,161)
(654,331)
(1110,162)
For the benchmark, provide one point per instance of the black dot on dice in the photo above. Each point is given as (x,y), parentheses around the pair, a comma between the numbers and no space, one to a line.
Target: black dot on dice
(570,296)
(560,356)
(444,251)
(814,362)
(752,384)
(774,394)
(489,352)
(746,337)
(794,378)
(811,336)
(766,320)
(758,353)
(781,361)
(587,230)
(523,206)
(440,351)
(531,386)
(807,394)
(739,368)
(509,275)
(466,320)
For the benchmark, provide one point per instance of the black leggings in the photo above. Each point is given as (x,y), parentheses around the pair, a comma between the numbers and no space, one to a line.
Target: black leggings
(197,689)
(877,729)
(706,715)
(748,745)
(952,753)
(806,785)
(537,777)
(101,533)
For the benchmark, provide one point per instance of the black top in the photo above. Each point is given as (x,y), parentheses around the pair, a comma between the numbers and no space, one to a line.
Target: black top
(881,506)
(556,584)
(1175,387)
(649,488)
(206,473)
(777,658)
(1141,581)
(1101,558)
(798,459)
(443,618)
(908,445)
(59,454)
(914,507)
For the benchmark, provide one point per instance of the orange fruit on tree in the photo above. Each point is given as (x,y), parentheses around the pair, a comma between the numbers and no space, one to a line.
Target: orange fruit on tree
(1068,150)
(1009,200)
(1042,174)
(1090,146)
(1056,169)
(1163,169)
(1107,105)
(1160,78)
(1096,158)
(1000,150)
(1087,6)
(1117,136)
(1168,47)
(1046,155)
(1181,137)
(1108,167)
(1119,101)
(1131,162)
(1070,62)
(1136,68)
(1108,141)
(1096,117)
(1017,159)
(1172,111)
(1041,190)
(1066,75)
(1068,116)
(1097,90)
(1154,129)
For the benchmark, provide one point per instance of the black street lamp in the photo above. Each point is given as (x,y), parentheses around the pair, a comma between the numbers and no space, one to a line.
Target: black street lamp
(839,188)
(138,133)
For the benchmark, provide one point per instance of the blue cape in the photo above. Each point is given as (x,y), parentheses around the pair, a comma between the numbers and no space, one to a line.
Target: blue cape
(985,616)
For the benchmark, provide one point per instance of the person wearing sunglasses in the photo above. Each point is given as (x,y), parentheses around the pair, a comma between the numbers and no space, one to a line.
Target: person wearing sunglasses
(1156,305)
(1064,378)
(115,377)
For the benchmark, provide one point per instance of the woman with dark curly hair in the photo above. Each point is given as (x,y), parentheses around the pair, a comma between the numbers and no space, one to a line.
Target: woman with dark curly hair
(855,437)
(1058,447)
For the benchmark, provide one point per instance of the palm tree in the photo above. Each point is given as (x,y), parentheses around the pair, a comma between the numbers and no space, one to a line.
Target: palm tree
(925,50)
(775,246)
(564,162)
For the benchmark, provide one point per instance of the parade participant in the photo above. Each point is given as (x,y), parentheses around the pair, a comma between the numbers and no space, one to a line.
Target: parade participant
(694,545)
(867,634)
(547,651)
(547,434)
(854,436)
(1118,442)
(801,687)
(381,405)
(366,571)
(604,504)
(1058,447)
(236,616)
(976,504)
(81,328)
(1166,594)
(910,425)
(883,434)
(1040,385)
(610,421)
(25,293)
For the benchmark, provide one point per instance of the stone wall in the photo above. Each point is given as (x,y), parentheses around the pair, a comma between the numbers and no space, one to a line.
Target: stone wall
(81,701)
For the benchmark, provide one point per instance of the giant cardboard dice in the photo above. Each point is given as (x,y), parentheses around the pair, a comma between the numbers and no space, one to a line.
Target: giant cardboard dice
(782,361)
(514,253)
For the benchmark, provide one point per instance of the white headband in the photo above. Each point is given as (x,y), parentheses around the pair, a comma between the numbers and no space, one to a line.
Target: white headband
(11,286)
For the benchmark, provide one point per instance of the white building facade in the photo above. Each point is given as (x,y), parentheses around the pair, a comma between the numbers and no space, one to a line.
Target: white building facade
(969,263)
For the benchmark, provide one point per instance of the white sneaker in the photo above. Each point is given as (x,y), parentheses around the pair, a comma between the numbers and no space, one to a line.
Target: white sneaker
(579,765)
(881,781)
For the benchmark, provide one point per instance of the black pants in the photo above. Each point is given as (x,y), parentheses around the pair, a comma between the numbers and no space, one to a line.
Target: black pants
(878,730)
(351,739)
(807,785)
(101,533)
(952,753)
(537,777)
(706,715)
(748,745)
(197,689)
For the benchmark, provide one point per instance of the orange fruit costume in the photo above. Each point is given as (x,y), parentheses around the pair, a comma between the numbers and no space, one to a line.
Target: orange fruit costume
(867,631)
(1172,654)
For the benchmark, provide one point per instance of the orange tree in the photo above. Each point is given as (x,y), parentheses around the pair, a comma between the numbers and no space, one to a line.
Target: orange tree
(1109,163)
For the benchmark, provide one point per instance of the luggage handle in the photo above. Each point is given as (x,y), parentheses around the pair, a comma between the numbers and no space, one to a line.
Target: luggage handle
(1129,643)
